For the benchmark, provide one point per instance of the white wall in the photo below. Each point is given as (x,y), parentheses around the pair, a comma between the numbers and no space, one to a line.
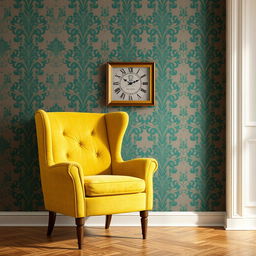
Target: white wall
(241,114)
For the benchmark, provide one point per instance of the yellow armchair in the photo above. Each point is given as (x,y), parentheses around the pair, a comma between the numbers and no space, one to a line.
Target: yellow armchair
(82,170)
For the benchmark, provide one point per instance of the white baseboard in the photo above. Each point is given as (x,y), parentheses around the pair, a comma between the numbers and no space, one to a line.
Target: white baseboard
(240,224)
(125,219)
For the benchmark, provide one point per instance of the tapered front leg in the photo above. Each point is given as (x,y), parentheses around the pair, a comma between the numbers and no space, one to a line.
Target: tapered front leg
(108,220)
(51,222)
(80,231)
(144,223)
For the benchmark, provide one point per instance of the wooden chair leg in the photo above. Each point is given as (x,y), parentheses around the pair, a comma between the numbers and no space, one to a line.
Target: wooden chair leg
(80,231)
(144,223)
(51,222)
(108,220)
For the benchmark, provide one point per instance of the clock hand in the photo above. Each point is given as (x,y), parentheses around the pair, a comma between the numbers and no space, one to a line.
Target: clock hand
(129,83)
(135,81)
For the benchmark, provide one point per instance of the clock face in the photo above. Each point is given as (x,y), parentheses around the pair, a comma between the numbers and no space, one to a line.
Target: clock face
(130,84)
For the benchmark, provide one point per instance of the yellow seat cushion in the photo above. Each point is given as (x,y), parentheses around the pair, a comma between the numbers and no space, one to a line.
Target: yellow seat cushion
(106,185)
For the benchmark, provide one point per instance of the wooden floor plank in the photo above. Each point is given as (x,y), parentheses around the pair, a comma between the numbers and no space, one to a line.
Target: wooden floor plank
(127,241)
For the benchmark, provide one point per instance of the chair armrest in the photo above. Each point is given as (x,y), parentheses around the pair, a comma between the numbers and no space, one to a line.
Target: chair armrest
(142,168)
(72,168)
(63,187)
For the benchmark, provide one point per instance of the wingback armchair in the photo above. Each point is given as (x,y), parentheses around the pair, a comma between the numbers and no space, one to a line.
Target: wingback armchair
(82,170)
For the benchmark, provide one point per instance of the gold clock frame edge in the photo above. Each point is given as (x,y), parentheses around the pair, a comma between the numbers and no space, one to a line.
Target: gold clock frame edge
(110,65)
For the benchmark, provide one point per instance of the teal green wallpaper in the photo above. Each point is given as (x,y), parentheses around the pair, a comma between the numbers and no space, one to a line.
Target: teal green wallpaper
(52,55)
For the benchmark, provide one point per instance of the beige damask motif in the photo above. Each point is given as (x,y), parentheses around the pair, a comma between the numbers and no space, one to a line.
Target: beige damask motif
(53,55)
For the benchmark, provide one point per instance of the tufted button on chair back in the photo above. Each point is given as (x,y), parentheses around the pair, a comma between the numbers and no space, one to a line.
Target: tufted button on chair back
(82,138)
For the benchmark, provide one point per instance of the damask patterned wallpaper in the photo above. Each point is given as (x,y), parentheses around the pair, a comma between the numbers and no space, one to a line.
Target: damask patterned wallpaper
(52,55)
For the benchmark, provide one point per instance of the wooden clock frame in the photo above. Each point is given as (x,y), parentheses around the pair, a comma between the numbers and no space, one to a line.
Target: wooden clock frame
(111,65)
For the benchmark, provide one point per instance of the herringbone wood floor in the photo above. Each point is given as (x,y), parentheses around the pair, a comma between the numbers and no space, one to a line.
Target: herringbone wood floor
(126,241)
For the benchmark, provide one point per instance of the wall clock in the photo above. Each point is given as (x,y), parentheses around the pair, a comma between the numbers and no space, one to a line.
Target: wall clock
(130,83)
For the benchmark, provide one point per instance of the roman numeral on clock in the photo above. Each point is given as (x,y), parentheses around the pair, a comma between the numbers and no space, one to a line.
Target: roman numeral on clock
(142,76)
(145,83)
(122,96)
(143,90)
(116,83)
(130,97)
(138,96)
(130,70)
(123,71)
(117,90)
(117,76)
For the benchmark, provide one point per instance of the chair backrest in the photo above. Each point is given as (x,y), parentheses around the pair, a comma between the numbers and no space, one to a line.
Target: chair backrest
(78,137)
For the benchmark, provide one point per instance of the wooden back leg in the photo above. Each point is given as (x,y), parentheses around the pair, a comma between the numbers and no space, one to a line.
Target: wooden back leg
(108,220)
(51,222)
